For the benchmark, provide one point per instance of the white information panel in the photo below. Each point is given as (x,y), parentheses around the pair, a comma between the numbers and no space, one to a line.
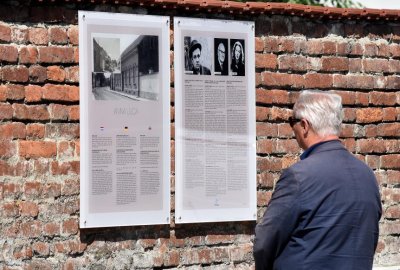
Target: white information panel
(124,119)
(215,121)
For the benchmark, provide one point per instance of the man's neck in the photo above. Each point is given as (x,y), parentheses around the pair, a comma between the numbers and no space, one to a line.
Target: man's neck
(319,139)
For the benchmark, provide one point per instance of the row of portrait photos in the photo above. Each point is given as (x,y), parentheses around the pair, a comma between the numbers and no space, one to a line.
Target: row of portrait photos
(228,56)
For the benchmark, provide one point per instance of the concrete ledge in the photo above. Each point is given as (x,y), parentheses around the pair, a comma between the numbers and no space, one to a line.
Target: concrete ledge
(386,268)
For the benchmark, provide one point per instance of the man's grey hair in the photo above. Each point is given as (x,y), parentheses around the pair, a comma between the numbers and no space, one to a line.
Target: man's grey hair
(322,109)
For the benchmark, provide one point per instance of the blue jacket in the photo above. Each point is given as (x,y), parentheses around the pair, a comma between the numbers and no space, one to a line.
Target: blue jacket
(323,215)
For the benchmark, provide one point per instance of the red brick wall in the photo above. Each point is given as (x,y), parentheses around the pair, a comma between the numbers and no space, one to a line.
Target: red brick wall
(39,137)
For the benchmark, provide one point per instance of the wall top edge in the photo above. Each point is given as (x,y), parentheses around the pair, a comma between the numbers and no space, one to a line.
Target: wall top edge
(224,6)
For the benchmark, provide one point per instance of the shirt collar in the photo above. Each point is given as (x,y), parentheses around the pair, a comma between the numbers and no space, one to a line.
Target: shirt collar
(307,152)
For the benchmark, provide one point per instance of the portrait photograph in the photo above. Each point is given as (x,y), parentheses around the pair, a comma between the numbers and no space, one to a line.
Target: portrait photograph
(221,56)
(237,57)
(197,55)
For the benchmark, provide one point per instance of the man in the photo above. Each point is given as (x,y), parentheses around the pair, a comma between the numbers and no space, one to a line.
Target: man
(195,57)
(325,210)
(221,66)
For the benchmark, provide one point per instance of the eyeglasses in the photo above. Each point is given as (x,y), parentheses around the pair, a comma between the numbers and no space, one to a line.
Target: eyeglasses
(293,121)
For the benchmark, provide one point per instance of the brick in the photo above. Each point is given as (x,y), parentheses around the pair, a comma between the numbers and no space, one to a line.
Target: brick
(70,226)
(37,149)
(388,129)
(19,34)
(347,131)
(7,149)
(269,164)
(216,239)
(369,115)
(348,97)
(51,229)
(362,99)
(31,229)
(241,252)
(72,74)
(30,112)
(349,114)
(360,82)
(266,129)
(263,198)
(394,66)
(293,62)
(6,111)
(382,98)
(313,47)
(343,48)
(259,44)
(55,54)
(35,131)
(328,47)
(390,161)
(70,187)
(393,82)
(73,34)
(65,149)
(356,49)
(10,209)
(287,146)
(65,168)
(315,80)
(28,209)
(355,65)
(282,79)
(335,63)
(10,131)
(55,73)
(271,44)
(370,49)
(266,146)
(37,74)
(33,93)
(73,114)
(15,92)
(58,35)
(268,61)
(393,177)
(41,248)
(58,112)
(15,73)
(18,169)
(65,131)
(32,189)
(39,36)
(380,82)
(23,253)
(272,96)
(267,179)
(389,114)
(76,60)
(61,93)
(371,146)
(8,53)
(375,65)
(28,55)
(5,33)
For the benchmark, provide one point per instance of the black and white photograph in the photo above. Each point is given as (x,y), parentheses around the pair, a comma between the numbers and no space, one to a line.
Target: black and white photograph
(221,56)
(125,67)
(237,57)
(198,58)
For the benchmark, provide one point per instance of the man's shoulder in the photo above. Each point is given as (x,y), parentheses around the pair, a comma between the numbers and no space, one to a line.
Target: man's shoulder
(205,70)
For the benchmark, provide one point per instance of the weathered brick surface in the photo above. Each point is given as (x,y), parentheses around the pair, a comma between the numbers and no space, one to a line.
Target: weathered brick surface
(40,145)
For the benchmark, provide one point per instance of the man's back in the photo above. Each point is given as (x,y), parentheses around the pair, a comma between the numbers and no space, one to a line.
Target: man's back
(333,208)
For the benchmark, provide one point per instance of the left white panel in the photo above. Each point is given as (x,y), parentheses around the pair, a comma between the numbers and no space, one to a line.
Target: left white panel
(124,119)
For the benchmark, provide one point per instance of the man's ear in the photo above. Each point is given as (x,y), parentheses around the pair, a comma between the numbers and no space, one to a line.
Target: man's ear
(305,127)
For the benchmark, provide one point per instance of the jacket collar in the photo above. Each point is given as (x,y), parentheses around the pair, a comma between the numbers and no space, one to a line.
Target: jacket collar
(322,146)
